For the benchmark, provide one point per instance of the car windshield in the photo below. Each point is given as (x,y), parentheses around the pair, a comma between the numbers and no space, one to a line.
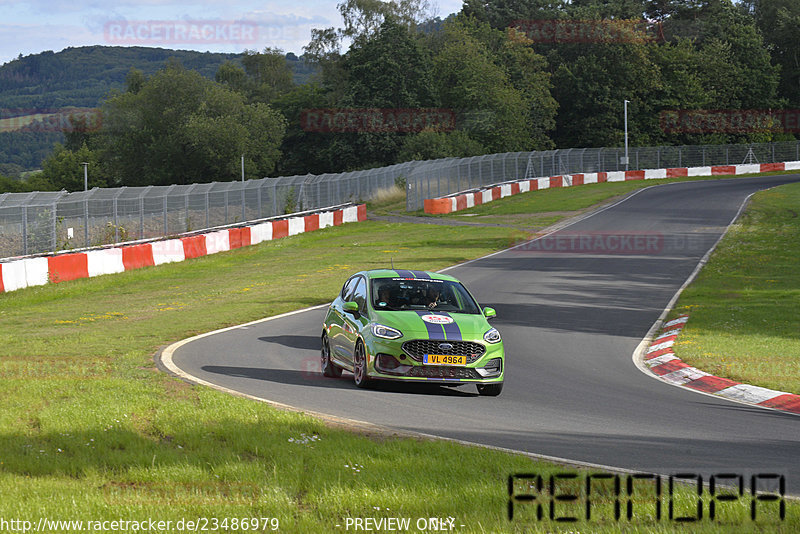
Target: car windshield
(395,294)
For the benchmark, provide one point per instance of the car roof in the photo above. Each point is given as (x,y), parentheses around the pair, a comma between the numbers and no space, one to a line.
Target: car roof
(407,273)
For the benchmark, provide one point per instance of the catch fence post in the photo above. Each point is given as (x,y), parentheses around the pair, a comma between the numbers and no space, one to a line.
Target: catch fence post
(86,222)
(54,238)
(24,230)
(116,222)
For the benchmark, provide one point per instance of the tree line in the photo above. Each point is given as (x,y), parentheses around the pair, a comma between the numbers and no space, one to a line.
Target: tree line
(515,74)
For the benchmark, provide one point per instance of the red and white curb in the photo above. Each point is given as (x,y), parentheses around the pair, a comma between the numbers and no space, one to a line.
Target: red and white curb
(662,362)
(462,201)
(37,271)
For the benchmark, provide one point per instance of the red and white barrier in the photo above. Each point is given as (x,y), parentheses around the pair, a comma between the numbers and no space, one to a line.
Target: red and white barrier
(297,226)
(168,251)
(461,201)
(106,261)
(260,233)
(38,271)
(662,362)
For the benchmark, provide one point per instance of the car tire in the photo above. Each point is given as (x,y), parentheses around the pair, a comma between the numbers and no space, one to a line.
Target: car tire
(360,366)
(490,390)
(329,368)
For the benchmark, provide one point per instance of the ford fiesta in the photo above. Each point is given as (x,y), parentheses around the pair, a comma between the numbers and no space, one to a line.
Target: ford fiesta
(411,326)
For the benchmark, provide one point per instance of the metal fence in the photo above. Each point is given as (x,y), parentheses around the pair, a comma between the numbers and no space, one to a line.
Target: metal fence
(447,176)
(32,223)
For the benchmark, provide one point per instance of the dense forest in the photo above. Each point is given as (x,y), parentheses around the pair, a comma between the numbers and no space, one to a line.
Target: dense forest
(499,76)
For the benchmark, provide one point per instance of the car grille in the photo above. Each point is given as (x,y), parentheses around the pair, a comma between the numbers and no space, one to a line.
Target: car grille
(417,348)
(443,371)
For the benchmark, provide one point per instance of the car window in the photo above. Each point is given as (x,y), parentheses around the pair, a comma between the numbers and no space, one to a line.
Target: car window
(348,288)
(421,294)
(360,295)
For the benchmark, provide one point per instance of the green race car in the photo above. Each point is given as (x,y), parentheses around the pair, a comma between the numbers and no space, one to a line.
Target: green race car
(396,324)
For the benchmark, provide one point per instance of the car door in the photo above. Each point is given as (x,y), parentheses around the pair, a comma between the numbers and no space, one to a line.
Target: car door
(336,321)
(354,322)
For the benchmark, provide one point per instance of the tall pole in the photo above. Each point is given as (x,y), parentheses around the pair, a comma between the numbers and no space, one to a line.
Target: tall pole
(626,134)
(243,215)
(85,175)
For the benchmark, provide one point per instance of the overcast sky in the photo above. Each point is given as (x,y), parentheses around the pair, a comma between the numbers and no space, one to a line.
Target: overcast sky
(30,27)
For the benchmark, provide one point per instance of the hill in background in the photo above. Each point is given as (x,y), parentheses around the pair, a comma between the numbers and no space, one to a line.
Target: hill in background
(82,77)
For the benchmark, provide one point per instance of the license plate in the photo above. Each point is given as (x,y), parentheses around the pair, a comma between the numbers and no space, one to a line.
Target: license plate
(444,359)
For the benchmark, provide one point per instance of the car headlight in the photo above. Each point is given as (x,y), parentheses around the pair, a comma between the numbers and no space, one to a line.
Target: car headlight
(386,332)
(492,336)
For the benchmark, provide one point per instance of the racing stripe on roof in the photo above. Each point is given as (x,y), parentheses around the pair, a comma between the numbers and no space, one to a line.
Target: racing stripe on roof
(421,274)
(451,331)
(435,331)
(404,273)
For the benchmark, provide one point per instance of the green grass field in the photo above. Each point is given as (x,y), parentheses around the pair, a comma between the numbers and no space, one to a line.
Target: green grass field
(744,306)
(91,430)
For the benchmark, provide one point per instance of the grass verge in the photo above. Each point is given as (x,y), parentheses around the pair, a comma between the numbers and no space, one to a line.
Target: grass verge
(745,303)
(90,430)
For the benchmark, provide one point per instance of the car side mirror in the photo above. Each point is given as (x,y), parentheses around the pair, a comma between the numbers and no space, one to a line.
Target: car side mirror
(350,307)
(489,312)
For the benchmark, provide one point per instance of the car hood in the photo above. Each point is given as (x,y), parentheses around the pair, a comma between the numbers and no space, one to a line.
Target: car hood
(436,325)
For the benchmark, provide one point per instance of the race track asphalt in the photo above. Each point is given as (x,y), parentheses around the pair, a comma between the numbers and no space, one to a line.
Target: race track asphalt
(570,321)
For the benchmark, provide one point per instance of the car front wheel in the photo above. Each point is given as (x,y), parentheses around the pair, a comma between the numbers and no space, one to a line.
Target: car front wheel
(329,369)
(360,366)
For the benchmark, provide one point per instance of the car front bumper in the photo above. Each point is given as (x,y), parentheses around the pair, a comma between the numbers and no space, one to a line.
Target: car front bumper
(388,361)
